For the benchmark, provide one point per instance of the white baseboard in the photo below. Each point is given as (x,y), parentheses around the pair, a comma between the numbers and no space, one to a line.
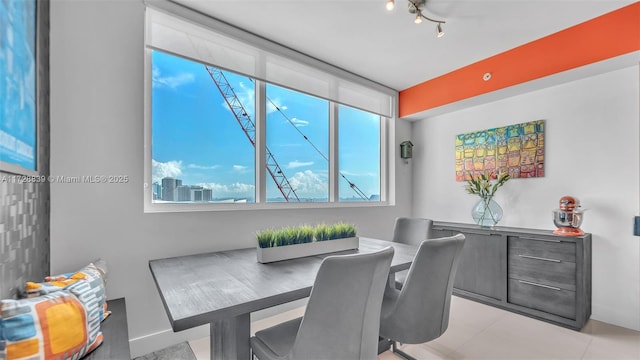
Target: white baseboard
(153,342)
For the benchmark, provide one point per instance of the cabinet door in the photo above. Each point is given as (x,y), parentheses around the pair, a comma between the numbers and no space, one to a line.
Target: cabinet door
(438,233)
(482,265)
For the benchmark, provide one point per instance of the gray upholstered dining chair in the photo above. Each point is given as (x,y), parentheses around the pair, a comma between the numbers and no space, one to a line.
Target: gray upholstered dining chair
(410,231)
(342,317)
(419,312)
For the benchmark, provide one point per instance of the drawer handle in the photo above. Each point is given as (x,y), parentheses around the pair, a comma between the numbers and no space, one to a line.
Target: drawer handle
(539,258)
(546,240)
(540,285)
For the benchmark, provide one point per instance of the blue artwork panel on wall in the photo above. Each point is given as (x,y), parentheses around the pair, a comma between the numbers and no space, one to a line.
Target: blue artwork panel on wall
(18,134)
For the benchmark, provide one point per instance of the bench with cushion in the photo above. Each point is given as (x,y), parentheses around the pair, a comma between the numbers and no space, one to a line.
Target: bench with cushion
(115,345)
(64,317)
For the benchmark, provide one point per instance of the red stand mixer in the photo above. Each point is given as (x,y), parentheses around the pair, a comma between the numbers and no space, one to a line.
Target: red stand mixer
(568,217)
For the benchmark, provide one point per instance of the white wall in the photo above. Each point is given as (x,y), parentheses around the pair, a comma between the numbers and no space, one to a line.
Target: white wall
(591,150)
(97,129)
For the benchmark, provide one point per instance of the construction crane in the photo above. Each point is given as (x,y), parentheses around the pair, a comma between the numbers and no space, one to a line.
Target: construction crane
(249,128)
(352,185)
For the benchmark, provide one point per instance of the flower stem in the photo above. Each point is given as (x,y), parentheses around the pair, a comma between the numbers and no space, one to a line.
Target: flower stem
(485,201)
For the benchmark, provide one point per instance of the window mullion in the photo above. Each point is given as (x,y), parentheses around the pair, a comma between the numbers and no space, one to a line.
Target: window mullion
(334,179)
(384,158)
(261,137)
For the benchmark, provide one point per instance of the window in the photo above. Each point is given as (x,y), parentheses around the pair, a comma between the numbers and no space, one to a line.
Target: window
(298,140)
(200,152)
(221,133)
(359,155)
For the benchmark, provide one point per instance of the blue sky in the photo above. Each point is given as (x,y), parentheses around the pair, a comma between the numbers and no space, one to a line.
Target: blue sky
(196,137)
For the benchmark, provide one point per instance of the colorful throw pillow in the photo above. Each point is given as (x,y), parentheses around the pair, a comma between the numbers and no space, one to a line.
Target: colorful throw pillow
(94,296)
(52,326)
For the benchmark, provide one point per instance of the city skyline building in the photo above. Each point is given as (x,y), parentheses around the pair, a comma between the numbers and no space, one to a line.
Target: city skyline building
(169,185)
(172,189)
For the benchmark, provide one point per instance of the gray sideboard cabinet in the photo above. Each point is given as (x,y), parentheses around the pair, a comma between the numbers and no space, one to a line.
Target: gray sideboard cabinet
(527,271)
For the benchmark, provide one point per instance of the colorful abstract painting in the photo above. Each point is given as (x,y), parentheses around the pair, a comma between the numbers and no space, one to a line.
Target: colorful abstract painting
(517,149)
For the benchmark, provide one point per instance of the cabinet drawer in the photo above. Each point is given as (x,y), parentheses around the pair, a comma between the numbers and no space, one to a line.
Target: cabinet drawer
(541,297)
(547,271)
(556,250)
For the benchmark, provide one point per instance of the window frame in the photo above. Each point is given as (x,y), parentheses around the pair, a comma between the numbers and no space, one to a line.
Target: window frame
(387,144)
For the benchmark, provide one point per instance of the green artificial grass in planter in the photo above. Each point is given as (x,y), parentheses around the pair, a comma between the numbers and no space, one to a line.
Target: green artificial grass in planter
(305,240)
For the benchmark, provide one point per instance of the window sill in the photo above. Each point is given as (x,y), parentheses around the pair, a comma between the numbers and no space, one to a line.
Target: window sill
(186,207)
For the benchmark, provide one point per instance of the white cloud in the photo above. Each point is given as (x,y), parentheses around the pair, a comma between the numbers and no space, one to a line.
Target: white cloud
(230,190)
(202,167)
(161,170)
(240,168)
(296,164)
(172,82)
(299,122)
(308,184)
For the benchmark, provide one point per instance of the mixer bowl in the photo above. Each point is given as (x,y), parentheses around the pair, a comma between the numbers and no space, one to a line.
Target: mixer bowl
(570,219)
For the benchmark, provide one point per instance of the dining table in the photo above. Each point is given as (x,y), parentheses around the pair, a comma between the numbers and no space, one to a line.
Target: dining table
(223,288)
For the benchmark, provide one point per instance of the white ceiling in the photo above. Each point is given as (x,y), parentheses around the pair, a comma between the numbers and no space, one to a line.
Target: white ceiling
(361,36)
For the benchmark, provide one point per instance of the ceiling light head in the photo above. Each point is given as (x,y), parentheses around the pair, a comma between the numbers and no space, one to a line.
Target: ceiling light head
(416,7)
(390,5)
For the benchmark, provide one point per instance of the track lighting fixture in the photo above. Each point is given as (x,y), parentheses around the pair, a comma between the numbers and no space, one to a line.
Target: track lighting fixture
(439,31)
(390,4)
(416,7)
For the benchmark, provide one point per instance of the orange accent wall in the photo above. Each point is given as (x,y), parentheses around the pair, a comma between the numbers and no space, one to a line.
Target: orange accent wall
(610,35)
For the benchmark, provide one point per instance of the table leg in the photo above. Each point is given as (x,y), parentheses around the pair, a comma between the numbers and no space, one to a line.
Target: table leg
(230,338)
(391,281)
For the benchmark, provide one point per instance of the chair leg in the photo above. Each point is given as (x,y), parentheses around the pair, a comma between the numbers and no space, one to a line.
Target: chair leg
(398,285)
(383,345)
(404,355)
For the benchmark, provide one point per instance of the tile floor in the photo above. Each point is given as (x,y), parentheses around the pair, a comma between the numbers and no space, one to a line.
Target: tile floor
(180,351)
(478,331)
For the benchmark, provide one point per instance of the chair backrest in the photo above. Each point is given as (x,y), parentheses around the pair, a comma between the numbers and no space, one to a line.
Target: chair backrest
(342,317)
(421,310)
(411,230)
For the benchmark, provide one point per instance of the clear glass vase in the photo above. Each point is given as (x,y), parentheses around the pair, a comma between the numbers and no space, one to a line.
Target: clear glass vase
(486,212)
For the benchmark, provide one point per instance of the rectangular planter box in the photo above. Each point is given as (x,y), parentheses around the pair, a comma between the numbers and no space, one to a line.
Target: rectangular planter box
(267,255)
